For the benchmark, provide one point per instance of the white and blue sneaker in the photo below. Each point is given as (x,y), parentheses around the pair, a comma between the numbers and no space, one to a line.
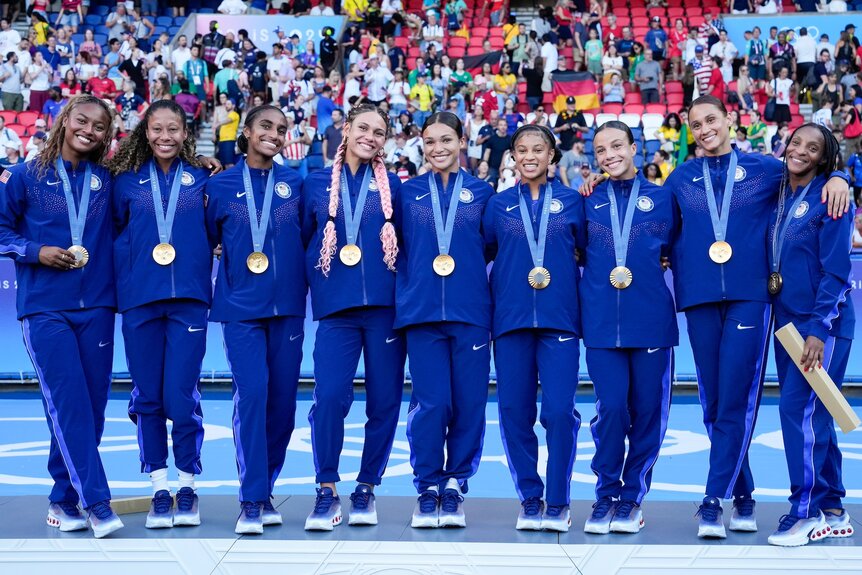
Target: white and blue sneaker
(795,532)
(103,520)
(363,511)
(187,513)
(711,524)
(326,513)
(557,518)
(451,505)
(840,524)
(67,516)
(628,517)
(599,522)
(249,521)
(426,514)
(269,514)
(530,517)
(161,511)
(743,517)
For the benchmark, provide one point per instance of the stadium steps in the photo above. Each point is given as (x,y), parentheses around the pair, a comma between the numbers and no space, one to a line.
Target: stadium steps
(205,145)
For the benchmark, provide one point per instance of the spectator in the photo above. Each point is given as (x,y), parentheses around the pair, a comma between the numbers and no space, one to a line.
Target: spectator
(10,83)
(715,85)
(593,52)
(653,174)
(570,124)
(8,139)
(13,157)
(9,37)
(782,89)
(195,72)
(421,97)
(781,55)
(70,86)
(232,7)
(823,116)
(612,62)
(432,33)
(570,165)
(650,78)
(505,86)
(724,52)
(806,54)
(38,77)
(580,176)
(756,131)
(669,133)
(297,142)
(36,145)
(118,22)
(635,58)
(495,148)
(191,104)
(227,132)
(755,55)
(741,143)
(133,69)
(377,80)
(701,69)
(132,106)
(538,116)
(332,137)
(614,92)
(824,44)
(211,44)
(656,39)
(101,86)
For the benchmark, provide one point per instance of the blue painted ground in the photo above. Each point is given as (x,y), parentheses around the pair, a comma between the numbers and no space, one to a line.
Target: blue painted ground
(679,474)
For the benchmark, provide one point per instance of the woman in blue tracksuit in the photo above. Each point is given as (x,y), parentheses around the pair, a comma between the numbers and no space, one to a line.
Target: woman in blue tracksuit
(350,262)
(531,232)
(254,212)
(163,263)
(809,261)
(443,303)
(55,222)
(720,274)
(629,328)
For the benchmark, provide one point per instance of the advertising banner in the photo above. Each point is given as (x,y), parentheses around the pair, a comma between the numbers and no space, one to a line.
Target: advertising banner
(817,24)
(261,29)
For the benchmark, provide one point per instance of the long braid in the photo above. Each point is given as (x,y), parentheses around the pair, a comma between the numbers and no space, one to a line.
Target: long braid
(387,233)
(330,240)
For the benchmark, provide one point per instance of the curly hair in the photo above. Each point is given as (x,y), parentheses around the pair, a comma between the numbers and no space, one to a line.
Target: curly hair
(135,150)
(388,238)
(53,146)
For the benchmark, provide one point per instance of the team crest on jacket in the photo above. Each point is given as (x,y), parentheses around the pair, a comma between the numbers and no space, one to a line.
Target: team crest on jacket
(556,206)
(187,179)
(372,185)
(645,204)
(283,190)
(95,182)
(466,196)
(739,175)
(801,210)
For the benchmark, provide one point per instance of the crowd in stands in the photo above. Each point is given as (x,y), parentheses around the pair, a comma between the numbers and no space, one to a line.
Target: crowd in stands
(648,60)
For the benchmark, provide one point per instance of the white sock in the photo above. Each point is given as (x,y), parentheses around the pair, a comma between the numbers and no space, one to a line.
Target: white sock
(159,477)
(186,479)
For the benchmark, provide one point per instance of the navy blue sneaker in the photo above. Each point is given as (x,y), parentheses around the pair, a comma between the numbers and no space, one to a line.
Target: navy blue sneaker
(326,513)
(710,514)
(270,515)
(743,517)
(599,521)
(363,510)
(250,521)
(530,517)
(103,520)
(557,518)
(628,518)
(187,513)
(66,516)
(451,505)
(427,510)
(161,511)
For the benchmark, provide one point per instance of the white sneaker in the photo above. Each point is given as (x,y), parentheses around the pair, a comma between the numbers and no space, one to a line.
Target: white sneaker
(840,524)
(452,505)
(794,532)
(530,516)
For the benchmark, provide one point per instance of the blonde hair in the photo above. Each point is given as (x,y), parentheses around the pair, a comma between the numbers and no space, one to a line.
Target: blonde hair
(388,239)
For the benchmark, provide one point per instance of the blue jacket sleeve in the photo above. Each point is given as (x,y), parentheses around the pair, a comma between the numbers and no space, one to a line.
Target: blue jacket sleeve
(835,268)
(309,221)
(489,231)
(13,204)
(120,212)
(213,222)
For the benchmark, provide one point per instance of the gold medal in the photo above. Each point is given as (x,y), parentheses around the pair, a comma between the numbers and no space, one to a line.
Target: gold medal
(164,254)
(539,278)
(775,283)
(81,255)
(621,277)
(350,255)
(444,265)
(720,252)
(257,262)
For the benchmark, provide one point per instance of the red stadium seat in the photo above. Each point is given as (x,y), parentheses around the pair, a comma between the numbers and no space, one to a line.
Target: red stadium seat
(28,118)
(639,32)
(639,12)
(612,109)
(496,43)
(656,109)
(637,109)
(457,42)
(475,51)
(623,21)
(640,21)
(676,12)
(455,53)
(673,87)
(479,32)
(632,98)
(674,100)
(496,32)
(8,116)
(524,108)
(17,128)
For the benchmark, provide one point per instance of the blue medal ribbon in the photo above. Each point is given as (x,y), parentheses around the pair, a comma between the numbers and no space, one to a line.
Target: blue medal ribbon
(353,217)
(537,245)
(258,229)
(444,231)
(719,221)
(77,215)
(781,225)
(165,221)
(621,236)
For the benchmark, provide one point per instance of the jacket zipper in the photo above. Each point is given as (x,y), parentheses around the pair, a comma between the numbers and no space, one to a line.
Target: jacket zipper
(173,279)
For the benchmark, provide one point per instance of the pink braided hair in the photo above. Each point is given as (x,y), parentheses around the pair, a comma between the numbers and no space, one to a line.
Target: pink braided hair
(388,239)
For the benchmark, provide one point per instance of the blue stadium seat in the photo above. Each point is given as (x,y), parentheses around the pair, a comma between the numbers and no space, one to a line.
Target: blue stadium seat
(100,39)
(173,30)
(588,146)
(589,135)
(164,21)
(206,11)
(77,39)
(100,10)
(158,30)
(93,19)
(180,20)
(102,30)
(639,161)
(652,146)
(316,147)
(638,133)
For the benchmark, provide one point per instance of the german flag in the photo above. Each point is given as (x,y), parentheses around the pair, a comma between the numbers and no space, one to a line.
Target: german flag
(578,84)
(473,64)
